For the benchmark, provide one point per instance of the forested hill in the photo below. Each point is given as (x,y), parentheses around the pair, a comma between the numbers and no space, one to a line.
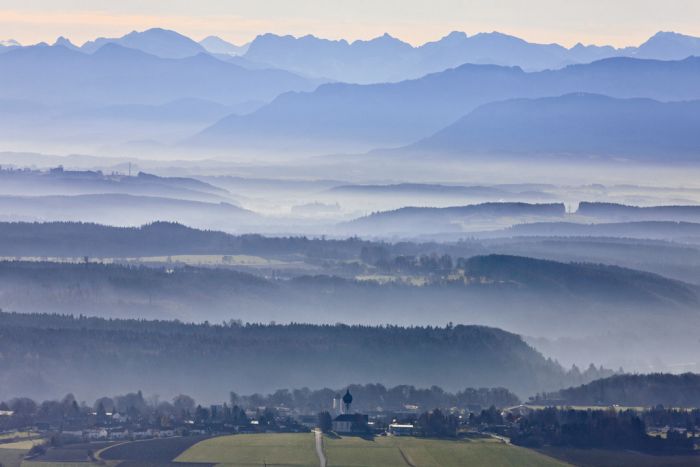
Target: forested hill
(79,239)
(623,212)
(419,220)
(632,391)
(609,282)
(44,355)
(506,286)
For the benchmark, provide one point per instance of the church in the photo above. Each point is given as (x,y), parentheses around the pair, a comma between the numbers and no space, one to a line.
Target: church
(347,422)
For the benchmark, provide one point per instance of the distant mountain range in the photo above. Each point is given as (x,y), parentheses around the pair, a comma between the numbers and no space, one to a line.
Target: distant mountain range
(8,44)
(115,74)
(72,90)
(216,45)
(575,124)
(386,58)
(159,42)
(345,117)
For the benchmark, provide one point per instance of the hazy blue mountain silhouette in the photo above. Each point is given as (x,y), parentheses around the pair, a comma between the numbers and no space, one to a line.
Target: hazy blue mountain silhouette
(387,59)
(217,45)
(668,46)
(360,117)
(359,61)
(65,42)
(579,124)
(159,42)
(119,75)
(8,44)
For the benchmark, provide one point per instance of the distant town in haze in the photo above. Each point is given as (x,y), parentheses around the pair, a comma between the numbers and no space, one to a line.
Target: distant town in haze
(294,250)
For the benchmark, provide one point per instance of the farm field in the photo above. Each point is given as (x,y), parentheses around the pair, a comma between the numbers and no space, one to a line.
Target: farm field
(607,458)
(407,451)
(16,435)
(152,451)
(289,449)
(299,450)
(25,444)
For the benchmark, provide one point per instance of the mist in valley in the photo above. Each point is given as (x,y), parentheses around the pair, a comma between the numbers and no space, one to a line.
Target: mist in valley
(470,223)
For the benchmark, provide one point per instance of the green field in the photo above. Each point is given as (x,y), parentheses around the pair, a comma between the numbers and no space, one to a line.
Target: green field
(255,450)
(392,451)
(299,450)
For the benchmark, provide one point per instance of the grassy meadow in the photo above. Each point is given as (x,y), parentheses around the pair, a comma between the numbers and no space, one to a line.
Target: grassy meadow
(289,449)
(299,450)
(419,452)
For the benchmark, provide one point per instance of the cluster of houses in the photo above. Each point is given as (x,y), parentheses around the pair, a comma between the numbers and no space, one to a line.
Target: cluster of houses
(101,425)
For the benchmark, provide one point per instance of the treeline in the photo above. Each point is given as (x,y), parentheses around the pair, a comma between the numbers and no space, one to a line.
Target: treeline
(631,391)
(25,412)
(597,280)
(604,429)
(373,397)
(44,354)
(131,409)
(78,239)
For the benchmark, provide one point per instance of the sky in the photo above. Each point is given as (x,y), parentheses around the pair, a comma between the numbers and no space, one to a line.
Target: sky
(615,22)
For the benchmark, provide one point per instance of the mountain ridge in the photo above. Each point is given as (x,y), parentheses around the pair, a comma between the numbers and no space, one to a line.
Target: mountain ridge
(574,124)
(357,118)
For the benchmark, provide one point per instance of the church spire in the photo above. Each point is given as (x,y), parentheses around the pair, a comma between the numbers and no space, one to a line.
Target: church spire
(347,400)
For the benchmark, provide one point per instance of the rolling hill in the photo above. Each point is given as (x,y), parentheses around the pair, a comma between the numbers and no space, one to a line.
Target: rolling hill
(603,282)
(124,209)
(680,391)
(76,182)
(665,230)
(622,212)
(430,220)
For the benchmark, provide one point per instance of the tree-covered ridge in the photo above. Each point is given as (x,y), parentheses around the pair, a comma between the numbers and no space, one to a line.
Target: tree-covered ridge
(608,429)
(159,238)
(605,281)
(633,390)
(49,353)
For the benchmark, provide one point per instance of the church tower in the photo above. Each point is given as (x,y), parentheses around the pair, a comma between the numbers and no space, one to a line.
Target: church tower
(347,401)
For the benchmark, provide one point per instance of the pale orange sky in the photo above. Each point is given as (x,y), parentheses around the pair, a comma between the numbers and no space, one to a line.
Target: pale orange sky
(616,22)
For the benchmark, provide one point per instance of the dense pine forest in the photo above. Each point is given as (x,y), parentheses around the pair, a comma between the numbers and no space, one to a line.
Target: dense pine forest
(43,355)
(632,390)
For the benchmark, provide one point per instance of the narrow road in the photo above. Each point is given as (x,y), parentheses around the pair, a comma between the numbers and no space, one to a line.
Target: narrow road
(319,448)
(406,458)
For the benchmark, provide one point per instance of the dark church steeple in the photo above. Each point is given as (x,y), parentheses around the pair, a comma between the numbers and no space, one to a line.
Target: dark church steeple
(347,400)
